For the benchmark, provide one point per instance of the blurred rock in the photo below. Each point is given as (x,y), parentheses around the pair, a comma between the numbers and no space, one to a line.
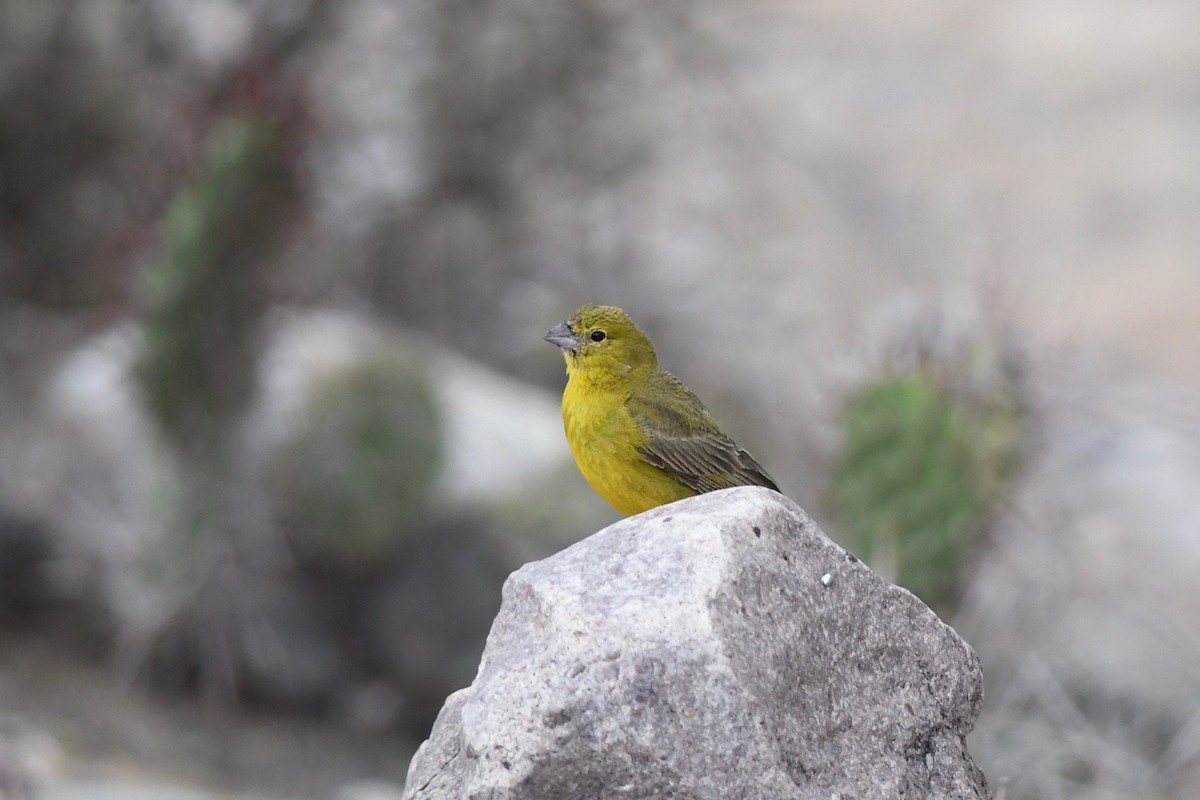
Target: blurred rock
(1085,610)
(104,475)
(369,790)
(132,789)
(14,782)
(29,758)
(405,480)
(717,647)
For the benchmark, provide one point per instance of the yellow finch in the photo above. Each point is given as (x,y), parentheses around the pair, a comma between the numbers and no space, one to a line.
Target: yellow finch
(639,436)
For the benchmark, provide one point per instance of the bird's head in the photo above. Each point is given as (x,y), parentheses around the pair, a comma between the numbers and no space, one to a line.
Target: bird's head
(602,342)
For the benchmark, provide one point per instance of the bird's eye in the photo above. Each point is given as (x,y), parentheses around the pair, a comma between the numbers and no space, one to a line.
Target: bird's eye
(599,336)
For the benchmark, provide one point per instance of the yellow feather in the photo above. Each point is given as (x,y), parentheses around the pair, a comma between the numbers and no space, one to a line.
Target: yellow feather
(640,437)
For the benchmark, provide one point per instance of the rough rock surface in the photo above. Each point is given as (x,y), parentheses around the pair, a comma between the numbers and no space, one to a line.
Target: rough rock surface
(719,647)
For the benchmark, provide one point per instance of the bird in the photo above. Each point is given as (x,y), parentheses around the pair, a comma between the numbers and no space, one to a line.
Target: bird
(640,437)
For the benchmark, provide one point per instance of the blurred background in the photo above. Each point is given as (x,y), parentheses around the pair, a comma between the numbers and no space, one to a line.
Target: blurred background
(276,418)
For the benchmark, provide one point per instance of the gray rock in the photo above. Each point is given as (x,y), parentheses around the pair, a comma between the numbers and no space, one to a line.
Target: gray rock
(720,647)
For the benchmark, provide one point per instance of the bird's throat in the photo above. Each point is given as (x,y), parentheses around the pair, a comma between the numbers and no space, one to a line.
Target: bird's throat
(607,378)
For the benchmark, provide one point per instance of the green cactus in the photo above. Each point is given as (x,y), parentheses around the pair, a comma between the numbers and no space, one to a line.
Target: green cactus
(190,595)
(922,466)
(357,472)
(208,291)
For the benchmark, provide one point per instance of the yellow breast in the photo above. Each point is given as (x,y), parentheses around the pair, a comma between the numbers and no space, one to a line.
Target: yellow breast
(606,444)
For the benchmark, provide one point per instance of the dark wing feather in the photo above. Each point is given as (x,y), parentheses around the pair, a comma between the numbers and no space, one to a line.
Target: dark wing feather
(689,446)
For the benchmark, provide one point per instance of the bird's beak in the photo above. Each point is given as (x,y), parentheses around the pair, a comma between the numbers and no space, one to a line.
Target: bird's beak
(562,336)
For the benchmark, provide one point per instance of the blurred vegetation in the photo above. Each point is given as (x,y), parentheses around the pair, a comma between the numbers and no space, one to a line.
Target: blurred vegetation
(77,188)
(207,294)
(354,479)
(198,371)
(922,468)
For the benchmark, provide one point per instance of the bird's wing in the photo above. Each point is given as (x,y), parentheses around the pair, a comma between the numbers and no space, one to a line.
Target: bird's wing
(689,446)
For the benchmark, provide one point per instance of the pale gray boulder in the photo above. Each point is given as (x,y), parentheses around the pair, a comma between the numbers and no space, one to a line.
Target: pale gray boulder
(719,647)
